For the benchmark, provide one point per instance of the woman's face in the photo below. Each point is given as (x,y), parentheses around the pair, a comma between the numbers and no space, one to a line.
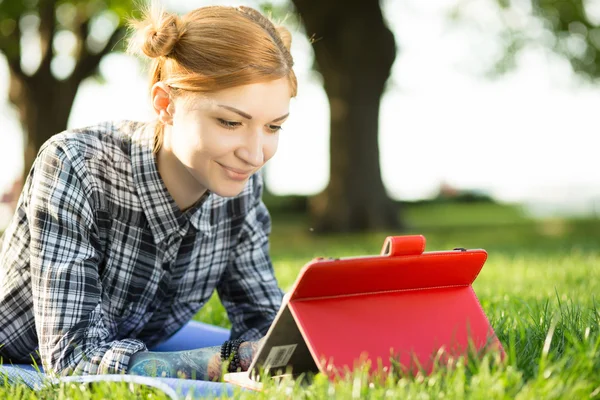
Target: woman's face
(225,137)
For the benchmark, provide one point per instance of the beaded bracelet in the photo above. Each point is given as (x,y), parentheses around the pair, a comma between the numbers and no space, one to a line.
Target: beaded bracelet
(229,351)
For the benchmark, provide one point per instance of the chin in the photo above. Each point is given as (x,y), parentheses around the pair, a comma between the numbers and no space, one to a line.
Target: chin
(228,190)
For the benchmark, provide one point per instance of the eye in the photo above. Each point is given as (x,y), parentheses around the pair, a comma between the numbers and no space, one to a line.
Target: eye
(274,128)
(228,124)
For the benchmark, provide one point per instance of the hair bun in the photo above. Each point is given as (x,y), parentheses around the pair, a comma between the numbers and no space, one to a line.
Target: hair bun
(161,35)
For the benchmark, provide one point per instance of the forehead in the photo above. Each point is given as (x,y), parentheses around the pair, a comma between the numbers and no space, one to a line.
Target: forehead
(265,100)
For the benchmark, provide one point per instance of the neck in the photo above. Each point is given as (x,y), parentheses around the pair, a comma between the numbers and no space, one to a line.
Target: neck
(180,183)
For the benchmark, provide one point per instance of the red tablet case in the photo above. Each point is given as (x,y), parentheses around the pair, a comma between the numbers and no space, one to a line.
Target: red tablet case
(404,302)
(417,307)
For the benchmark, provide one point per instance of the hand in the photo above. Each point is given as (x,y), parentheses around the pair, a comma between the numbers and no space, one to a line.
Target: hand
(248,351)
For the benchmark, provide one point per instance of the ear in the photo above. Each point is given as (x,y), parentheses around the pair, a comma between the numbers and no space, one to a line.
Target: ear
(162,103)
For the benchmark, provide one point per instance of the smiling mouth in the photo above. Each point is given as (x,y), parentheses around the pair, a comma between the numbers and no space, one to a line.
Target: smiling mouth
(236,174)
(237,171)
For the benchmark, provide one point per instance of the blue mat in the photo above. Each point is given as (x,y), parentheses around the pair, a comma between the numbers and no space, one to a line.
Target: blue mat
(192,336)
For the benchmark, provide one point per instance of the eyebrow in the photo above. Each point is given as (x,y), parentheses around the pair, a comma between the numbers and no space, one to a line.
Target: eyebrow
(248,116)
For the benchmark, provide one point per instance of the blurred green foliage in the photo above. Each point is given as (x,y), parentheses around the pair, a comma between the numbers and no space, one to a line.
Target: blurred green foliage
(570,28)
(92,21)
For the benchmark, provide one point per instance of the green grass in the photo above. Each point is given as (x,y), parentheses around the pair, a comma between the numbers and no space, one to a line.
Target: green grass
(539,288)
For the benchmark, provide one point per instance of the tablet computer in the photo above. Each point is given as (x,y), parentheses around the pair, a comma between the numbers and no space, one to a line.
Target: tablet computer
(405,305)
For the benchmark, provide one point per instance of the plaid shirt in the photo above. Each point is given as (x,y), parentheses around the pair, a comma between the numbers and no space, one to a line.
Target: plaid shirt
(99,262)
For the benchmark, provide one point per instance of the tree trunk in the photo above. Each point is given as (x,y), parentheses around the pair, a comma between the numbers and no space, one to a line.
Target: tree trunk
(354,52)
(44,104)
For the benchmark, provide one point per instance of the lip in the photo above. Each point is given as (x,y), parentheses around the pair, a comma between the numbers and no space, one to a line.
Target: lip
(236,174)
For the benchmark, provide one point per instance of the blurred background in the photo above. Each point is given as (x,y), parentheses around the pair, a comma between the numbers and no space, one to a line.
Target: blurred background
(411,115)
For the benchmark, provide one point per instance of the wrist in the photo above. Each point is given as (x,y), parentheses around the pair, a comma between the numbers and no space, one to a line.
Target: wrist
(230,351)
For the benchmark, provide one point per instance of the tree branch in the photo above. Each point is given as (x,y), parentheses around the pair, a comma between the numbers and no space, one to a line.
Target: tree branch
(88,62)
(47,31)
(82,33)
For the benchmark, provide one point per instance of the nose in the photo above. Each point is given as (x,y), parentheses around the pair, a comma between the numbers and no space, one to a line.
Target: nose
(251,151)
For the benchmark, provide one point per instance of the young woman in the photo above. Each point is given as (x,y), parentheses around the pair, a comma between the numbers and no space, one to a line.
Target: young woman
(124,230)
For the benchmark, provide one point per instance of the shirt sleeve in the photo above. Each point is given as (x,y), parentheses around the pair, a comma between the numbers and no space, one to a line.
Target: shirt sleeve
(65,252)
(248,288)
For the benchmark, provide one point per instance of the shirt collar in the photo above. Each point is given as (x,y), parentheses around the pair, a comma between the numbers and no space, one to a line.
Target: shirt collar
(200,214)
(163,215)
